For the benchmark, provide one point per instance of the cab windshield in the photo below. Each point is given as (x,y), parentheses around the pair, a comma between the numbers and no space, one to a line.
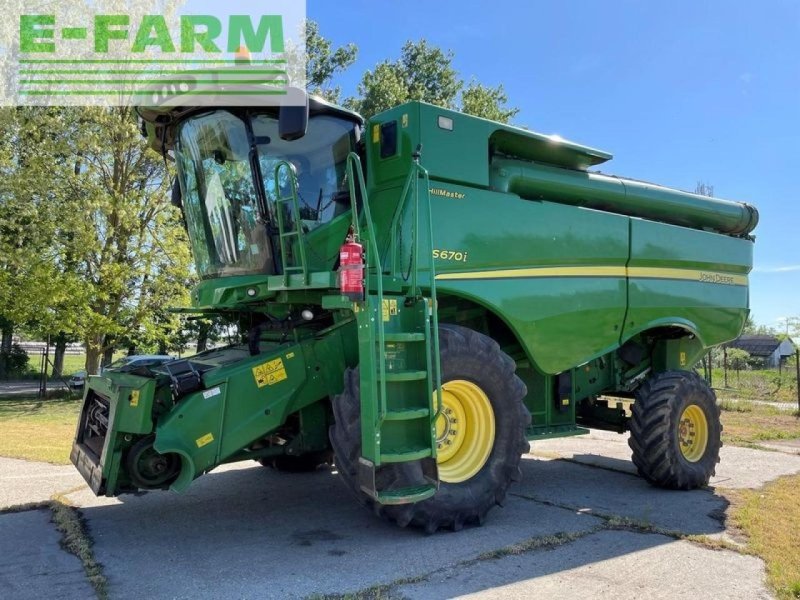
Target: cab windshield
(229,231)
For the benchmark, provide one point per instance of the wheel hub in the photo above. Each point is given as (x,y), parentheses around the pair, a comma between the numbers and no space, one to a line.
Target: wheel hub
(150,469)
(464,431)
(693,433)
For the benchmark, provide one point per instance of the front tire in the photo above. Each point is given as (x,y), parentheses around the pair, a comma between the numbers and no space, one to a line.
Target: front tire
(676,430)
(480,386)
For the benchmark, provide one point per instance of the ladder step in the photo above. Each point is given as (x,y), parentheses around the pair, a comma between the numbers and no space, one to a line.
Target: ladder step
(405,455)
(289,233)
(406,495)
(407,414)
(405,375)
(404,337)
(294,268)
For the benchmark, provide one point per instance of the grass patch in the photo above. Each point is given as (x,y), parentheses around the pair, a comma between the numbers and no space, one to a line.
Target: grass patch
(770,518)
(385,591)
(75,540)
(38,429)
(758,424)
(733,405)
(545,542)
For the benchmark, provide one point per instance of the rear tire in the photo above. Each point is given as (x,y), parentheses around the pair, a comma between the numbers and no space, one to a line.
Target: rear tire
(676,430)
(466,356)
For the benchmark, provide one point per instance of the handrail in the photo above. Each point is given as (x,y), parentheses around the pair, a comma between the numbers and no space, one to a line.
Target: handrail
(354,171)
(295,210)
(393,247)
(434,301)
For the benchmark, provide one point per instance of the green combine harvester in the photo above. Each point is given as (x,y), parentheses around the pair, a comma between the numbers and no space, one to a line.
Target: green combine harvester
(420,296)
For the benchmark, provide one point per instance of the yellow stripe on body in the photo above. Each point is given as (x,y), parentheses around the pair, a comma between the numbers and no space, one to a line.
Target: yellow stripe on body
(634,272)
(538,272)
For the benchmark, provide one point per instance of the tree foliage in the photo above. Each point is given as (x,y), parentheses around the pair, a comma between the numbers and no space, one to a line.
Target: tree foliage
(85,224)
(738,359)
(487,102)
(323,62)
(425,72)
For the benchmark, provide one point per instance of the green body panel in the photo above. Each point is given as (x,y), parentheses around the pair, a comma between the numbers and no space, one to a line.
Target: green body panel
(590,282)
(710,304)
(242,399)
(571,281)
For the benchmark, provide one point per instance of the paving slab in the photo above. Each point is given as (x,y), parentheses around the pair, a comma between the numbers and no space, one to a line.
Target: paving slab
(24,481)
(605,492)
(246,531)
(32,563)
(738,467)
(607,564)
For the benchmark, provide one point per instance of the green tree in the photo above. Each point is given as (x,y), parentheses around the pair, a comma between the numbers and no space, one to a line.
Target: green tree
(738,360)
(323,62)
(136,255)
(90,245)
(487,102)
(379,90)
(38,286)
(425,72)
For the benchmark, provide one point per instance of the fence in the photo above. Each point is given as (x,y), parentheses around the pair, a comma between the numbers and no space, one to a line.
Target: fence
(34,348)
(768,385)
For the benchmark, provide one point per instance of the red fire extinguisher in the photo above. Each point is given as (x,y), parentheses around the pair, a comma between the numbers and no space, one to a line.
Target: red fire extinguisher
(351,268)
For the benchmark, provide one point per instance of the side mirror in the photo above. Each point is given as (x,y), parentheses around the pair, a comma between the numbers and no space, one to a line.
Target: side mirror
(293,115)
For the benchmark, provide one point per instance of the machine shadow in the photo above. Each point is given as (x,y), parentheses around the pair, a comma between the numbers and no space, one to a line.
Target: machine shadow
(316,539)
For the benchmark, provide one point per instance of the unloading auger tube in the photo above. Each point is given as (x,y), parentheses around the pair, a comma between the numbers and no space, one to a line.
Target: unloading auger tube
(622,196)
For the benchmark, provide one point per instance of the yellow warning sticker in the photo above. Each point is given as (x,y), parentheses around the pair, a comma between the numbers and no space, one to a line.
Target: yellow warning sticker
(376,133)
(404,120)
(134,400)
(682,358)
(204,441)
(269,373)
(389,308)
(290,355)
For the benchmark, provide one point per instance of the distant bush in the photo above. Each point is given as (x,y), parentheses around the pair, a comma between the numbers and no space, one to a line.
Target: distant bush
(16,361)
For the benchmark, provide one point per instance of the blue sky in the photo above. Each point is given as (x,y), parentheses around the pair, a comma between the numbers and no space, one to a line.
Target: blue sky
(678,91)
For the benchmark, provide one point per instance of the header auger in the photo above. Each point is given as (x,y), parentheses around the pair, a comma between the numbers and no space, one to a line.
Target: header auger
(507,294)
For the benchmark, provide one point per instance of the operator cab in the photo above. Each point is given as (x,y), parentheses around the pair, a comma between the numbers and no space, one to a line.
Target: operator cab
(226,160)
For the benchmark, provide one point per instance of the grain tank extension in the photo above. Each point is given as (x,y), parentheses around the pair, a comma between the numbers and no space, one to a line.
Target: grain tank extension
(419,297)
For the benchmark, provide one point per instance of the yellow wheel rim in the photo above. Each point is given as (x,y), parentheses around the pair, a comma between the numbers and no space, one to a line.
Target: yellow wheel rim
(693,433)
(464,431)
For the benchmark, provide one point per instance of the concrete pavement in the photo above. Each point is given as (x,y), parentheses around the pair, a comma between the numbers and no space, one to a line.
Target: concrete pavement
(579,523)
(24,481)
(33,564)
